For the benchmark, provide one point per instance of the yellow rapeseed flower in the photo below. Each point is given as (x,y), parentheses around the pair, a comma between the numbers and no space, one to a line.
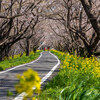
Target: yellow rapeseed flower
(27,81)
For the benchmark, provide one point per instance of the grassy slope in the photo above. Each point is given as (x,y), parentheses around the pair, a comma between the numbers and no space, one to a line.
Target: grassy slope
(78,79)
(17,60)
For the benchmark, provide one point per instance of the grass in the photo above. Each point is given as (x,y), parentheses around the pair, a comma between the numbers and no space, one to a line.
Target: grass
(17,60)
(78,79)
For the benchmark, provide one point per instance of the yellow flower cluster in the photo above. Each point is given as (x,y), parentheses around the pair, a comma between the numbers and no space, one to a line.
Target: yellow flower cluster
(15,56)
(83,65)
(37,50)
(18,55)
(27,81)
(31,52)
(96,71)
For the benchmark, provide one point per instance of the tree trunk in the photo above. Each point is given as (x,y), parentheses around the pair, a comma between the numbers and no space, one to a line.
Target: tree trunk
(34,50)
(2,53)
(93,20)
(27,47)
(0,5)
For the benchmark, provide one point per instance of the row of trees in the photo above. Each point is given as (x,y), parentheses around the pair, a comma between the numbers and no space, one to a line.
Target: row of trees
(67,25)
(77,25)
(18,26)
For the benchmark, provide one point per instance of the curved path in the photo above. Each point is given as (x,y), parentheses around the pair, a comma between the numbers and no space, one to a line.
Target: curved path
(45,65)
